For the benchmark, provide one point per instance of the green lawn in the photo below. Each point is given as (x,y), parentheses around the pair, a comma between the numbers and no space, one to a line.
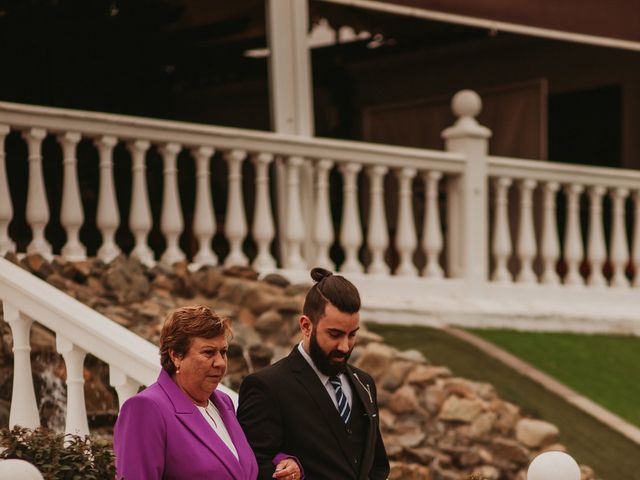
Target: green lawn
(612,455)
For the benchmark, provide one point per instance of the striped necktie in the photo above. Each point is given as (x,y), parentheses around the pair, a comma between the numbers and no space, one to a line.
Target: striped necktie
(343,404)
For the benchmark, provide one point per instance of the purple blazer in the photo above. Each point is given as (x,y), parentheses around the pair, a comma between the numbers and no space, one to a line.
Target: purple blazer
(160,434)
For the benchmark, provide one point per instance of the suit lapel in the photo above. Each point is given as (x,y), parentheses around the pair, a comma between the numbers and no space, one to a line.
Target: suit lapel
(235,432)
(364,392)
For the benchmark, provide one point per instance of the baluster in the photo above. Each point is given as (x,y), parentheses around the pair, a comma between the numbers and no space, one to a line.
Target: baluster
(406,241)
(526,248)
(108,216)
(6,206)
(77,423)
(125,386)
(71,214)
(501,234)
(294,226)
(204,220)
(377,234)
(350,230)
(323,227)
(550,245)
(140,214)
(635,252)
(619,249)
(171,222)
(263,227)
(596,250)
(432,240)
(235,226)
(37,206)
(573,249)
(24,409)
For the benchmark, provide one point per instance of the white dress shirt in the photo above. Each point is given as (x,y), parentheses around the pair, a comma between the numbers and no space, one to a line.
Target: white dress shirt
(213,418)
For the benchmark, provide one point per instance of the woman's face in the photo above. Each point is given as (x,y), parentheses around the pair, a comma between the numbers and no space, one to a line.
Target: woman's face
(202,367)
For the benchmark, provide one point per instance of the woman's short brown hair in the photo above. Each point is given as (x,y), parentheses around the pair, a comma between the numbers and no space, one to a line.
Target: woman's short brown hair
(185,323)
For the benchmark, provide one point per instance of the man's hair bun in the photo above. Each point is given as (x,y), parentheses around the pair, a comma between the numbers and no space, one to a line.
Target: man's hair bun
(318,274)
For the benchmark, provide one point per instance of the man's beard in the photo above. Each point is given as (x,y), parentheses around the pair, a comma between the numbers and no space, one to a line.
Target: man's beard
(323,361)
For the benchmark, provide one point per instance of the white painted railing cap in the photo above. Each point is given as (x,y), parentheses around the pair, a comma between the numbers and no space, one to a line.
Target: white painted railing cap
(19,470)
(553,465)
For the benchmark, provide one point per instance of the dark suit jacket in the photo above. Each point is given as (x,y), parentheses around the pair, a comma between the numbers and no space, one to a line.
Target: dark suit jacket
(285,408)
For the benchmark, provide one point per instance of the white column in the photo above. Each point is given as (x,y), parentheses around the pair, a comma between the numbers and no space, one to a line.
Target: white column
(323,235)
(294,226)
(140,214)
(596,250)
(204,219)
(108,216)
(350,229)
(37,206)
(24,409)
(635,250)
(71,214)
(619,249)
(549,245)
(235,225)
(6,206)
(77,423)
(526,247)
(406,241)
(432,241)
(377,233)
(263,228)
(125,386)
(501,247)
(467,193)
(171,222)
(573,249)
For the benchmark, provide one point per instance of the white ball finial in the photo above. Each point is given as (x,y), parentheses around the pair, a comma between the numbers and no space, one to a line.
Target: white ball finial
(466,103)
(19,470)
(553,466)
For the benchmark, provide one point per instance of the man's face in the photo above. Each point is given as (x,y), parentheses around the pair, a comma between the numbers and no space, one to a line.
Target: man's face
(331,340)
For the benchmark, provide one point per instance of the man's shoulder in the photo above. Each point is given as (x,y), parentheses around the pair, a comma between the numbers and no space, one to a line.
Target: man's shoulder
(273,372)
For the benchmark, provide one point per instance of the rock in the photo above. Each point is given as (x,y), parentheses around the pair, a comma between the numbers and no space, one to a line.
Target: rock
(508,450)
(395,374)
(233,291)
(237,271)
(37,264)
(508,414)
(403,400)
(297,289)
(261,298)
(536,433)
(269,322)
(404,471)
(260,355)
(277,280)
(482,425)
(422,455)
(412,356)
(423,375)
(126,279)
(287,305)
(456,409)
(366,337)
(410,439)
(375,359)
(487,472)
(208,281)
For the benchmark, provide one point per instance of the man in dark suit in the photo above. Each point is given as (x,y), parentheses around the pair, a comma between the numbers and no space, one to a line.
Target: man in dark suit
(313,404)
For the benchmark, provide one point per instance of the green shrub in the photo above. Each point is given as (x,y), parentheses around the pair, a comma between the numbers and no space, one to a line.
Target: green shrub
(59,456)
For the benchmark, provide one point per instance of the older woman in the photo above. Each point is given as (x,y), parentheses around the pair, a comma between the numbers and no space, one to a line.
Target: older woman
(181,427)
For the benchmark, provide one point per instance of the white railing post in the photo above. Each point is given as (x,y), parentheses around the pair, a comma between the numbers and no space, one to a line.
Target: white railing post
(468,194)
(204,219)
(263,227)
(406,241)
(294,226)
(377,234)
(596,250)
(76,423)
(108,216)
(573,248)
(501,245)
(350,228)
(635,250)
(37,205)
(619,249)
(526,247)
(550,243)
(140,214)
(323,226)
(432,241)
(171,223)
(125,386)
(71,214)
(235,225)
(6,206)
(24,408)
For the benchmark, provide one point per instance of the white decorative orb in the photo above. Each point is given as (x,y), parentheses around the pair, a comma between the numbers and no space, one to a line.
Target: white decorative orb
(466,103)
(553,466)
(18,470)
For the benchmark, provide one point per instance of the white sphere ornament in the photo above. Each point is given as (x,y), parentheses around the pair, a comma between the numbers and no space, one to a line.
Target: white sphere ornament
(19,470)
(553,465)
(466,103)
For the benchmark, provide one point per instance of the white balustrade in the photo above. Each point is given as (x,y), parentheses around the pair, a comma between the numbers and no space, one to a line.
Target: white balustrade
(432,241)
(107,216)
(294,226)
(140,213)
(204,219)
(501,245)
(377,234)
(235,225)
(406,241)
(350,228)
(619,255)
(635,249)
(573,248)
(596,250)
(263,226)
(6,205)
(71,214)
(74,356)
(171,223)
(37,205)
(126,387)
(526,247)
(323,235)
(549,244)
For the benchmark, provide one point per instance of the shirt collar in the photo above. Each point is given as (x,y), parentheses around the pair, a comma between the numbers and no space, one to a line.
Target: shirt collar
(323,378)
